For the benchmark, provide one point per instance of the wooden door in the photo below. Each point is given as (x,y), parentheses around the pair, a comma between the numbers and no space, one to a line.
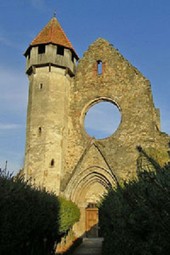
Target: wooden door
(92,222)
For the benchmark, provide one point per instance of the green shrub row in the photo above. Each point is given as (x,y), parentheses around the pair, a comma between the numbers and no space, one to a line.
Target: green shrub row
(69,213)
(31,220)
(135,217)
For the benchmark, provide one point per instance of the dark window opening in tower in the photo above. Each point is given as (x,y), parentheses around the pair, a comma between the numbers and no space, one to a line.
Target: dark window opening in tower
(39,131)
(40,86)
(72,57)
(60,50)
(52,163)
(29,54)
(41,49)
(99,67)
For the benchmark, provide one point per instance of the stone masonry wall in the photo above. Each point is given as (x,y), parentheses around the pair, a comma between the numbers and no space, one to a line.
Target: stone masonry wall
(126,87)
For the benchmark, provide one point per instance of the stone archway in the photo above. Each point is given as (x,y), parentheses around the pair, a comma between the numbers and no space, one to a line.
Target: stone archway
(81,185)
(87,187)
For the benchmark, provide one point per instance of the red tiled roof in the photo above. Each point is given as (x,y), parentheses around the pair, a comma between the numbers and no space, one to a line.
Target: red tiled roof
(53,33)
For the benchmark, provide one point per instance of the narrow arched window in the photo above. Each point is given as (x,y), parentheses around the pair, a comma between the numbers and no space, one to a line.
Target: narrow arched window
(52,163)
(99,67)
(39,131)
(40,86)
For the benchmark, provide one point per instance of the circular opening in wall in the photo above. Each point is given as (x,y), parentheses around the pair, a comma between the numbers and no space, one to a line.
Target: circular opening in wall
(102,120)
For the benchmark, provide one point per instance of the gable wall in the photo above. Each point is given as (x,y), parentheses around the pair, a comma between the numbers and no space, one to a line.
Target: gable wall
(123,85)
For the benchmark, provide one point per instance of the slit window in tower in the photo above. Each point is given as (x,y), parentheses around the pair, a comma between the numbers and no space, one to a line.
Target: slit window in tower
(41,49)
(60,50)
(39,131)
(40,86)
(99,67)
(52,163)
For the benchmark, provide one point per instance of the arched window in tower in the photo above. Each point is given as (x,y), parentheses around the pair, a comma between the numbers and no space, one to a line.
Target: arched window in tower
(40,86)
(52,163)
(39,131)
(99,67)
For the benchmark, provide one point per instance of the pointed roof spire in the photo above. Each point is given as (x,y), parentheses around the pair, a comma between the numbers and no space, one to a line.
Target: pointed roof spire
(53,33)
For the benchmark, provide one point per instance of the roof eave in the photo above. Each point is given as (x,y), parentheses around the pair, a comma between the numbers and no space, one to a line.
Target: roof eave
(35,45)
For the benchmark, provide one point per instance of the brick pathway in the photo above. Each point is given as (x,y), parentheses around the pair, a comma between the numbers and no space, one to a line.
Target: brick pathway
(90,246)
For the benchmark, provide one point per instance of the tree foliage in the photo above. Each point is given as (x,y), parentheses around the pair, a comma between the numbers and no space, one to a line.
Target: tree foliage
(31,220)
(135,217)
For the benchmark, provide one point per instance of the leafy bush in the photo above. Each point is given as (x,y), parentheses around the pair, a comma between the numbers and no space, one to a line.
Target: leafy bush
(69,213)
(135,217)
(30,220)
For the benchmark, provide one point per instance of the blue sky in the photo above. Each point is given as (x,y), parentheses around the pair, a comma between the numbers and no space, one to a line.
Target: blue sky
(138,28)
(102,120)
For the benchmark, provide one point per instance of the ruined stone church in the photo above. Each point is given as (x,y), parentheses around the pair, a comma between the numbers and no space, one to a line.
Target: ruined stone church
(60,155)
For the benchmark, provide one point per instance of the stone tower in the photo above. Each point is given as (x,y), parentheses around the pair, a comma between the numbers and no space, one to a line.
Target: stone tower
(60,155)
(50,65)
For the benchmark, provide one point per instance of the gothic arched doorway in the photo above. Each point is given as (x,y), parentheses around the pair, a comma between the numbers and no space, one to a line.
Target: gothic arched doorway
(86,189)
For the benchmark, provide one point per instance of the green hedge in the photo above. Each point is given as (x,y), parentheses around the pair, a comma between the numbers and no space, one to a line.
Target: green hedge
(135,217)
(31,220)
(69,213)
